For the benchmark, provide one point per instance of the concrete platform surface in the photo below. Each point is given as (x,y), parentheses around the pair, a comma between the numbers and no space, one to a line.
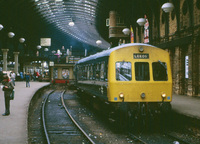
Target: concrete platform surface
(189,106)
(13,128)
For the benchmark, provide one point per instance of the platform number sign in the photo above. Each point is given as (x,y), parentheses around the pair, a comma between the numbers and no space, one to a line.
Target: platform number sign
(186,67)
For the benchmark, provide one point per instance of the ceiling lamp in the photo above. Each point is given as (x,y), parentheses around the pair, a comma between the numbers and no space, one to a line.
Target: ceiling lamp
(98,42)
(39,47)
(1,26)
(141,21)
(126,31)
(22,40)
(11,34)
(71,23)
(46,49)
(167,7)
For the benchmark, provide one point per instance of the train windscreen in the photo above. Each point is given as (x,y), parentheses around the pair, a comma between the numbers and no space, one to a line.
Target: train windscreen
(159,71)
(142,71)
(123,71)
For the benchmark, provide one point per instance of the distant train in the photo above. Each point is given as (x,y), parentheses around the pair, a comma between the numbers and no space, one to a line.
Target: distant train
(127,82)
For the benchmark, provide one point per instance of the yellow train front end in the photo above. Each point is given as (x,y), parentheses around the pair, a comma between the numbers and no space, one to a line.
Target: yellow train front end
(139,73)
(140,86)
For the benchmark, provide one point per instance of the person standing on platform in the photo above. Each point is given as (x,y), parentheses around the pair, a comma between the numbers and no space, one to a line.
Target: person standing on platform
(27,79)
(12,77)
(8,89)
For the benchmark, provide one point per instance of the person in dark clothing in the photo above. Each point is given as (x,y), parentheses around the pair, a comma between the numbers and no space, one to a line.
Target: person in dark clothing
(27,80)
(7,88)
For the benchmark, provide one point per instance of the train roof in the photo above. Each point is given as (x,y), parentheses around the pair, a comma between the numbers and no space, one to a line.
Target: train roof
(107,52)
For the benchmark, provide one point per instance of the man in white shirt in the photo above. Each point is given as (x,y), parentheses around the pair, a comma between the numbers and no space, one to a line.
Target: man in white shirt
(12,77)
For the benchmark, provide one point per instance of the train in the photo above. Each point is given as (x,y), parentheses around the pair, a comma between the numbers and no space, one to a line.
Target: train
(130,83)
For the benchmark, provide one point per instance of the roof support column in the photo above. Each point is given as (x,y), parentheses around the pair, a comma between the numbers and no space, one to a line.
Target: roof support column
(16,54)
(5,54)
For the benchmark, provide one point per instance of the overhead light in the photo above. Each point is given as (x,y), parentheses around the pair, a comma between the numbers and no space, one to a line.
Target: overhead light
(1,26)
(79,1)
(167,7)
(126,31)
(39,47)
(11,34)
(141,21)
(22,40)
(46,49)
(98,42)
(71,23)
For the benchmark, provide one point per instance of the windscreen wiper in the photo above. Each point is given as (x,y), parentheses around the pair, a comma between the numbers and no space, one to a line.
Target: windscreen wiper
(162,64)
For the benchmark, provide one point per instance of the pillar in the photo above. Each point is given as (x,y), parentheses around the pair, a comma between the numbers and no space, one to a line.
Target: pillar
(5,54)
(60,73)
(51,72)
(16,54)
(42,68)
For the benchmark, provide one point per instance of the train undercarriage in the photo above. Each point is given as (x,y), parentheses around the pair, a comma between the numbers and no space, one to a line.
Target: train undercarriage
(134,116)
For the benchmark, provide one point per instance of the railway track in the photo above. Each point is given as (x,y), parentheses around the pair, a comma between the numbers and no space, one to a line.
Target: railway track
(68,130)
(61,129)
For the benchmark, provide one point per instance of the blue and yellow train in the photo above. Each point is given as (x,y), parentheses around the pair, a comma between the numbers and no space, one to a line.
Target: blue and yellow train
(131,80)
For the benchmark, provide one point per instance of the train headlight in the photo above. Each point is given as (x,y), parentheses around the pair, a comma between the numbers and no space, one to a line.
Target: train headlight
(163,95)
(121,95)
(143,95)
(141,49)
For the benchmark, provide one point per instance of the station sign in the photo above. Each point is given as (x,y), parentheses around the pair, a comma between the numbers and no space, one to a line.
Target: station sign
(45,41)
(186,67)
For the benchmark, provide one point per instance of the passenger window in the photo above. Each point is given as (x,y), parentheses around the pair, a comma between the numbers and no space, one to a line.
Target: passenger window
(123,71)
(159,71)
(91,72)
(102,71)
(88,72)
(142,71)
(97,72)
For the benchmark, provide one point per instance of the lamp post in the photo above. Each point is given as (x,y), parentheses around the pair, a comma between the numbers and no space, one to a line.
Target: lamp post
(141,22)
(16,56)
(167,8)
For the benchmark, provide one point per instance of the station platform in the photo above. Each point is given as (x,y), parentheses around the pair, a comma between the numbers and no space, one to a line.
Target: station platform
(13,128)
(185,105)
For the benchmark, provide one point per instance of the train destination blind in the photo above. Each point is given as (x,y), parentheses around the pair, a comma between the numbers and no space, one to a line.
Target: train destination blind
(140,56)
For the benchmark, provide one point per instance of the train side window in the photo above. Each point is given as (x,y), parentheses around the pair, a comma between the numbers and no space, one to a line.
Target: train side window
(142,71)
(102,71)
(91,72)
(88,72)
(123,71)
(97,72)
(159,71)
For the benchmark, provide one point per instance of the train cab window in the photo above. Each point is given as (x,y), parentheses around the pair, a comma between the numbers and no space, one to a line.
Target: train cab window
(123,71)
(142,71)
(159,71)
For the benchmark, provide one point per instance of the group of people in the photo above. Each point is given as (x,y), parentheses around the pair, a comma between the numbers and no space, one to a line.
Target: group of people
(8,88)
